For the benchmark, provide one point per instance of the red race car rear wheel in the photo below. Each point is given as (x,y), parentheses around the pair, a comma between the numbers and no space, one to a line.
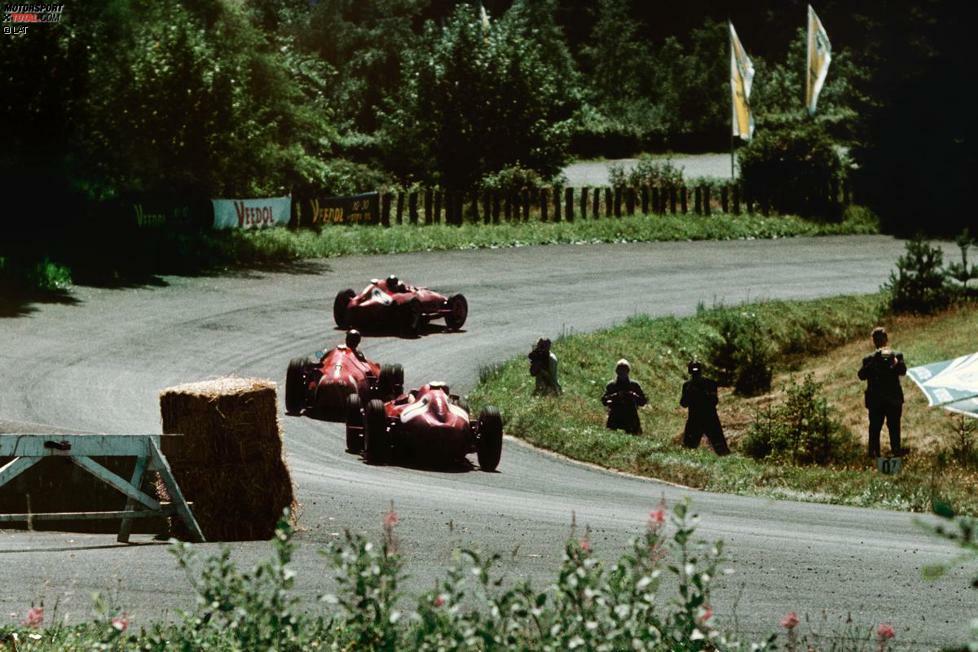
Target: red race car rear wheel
(375,441)
(490,445)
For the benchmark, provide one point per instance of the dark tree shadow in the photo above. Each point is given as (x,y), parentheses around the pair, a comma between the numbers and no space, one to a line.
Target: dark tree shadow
(18,302)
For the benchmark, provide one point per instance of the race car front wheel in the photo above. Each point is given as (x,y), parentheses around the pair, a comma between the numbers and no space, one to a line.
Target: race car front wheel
(294,385)
(354,424)
(458,310)
(375,441)
(340,304)
(490,445)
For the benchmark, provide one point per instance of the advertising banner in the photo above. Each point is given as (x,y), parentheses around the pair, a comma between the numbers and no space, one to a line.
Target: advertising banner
(355,209)
(252,213)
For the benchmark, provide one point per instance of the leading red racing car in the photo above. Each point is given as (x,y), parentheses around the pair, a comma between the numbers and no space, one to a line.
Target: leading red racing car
(391,304)
(323,383)
(427,425)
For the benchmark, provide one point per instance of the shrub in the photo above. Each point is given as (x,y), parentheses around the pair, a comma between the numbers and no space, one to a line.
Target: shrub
(512,179)
(792,167)
(741,352)
(919,283)
(961,273)
(802,429)
(646,172)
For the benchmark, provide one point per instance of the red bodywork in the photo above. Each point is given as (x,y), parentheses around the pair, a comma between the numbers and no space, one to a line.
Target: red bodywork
(427,425)
(324,385)
(403,307)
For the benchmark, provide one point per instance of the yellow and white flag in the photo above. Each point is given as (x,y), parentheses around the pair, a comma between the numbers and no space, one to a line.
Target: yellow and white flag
(484,20)
(819,57)
(741,78)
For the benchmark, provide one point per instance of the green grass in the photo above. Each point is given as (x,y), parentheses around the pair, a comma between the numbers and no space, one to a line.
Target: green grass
(807,334)
(106,257)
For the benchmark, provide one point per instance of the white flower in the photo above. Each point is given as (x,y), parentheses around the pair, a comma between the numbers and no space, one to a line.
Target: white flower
(697,635)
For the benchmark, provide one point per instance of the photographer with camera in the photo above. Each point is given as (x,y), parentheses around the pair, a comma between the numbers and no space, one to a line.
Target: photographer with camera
(700,397)
(543,367)
(623,396)
(884,395)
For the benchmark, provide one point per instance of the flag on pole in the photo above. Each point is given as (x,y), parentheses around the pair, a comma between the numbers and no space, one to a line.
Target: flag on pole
(484,19)
(819,57)
(741,77)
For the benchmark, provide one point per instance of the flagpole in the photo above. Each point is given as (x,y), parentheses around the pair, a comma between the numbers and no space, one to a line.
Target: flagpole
(733,175)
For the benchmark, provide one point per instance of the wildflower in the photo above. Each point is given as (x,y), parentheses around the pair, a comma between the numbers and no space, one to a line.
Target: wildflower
(657,516)
(35,617)
(885,632)
(790,620)
(706,615)
(390,519)
(120,623)
(439,601)
(585,545)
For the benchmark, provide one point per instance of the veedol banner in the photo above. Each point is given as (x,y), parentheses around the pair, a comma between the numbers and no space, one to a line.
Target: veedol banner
(251,213)
(355,209)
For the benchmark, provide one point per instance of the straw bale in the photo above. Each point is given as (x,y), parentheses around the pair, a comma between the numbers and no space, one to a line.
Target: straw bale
(229,461)
(225,421)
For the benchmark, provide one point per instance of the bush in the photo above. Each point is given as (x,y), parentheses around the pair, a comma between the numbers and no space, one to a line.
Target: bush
(962,273)
(513,179)
(919,283)
(741,352)
(647,172)
(792,168)
(802,430)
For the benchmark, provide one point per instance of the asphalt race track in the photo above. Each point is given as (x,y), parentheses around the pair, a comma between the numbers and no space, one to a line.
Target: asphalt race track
(98,365)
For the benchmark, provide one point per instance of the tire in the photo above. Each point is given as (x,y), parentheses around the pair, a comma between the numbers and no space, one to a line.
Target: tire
(340,304)
(375,441)
(354,424)
(411,318)
(490,445)
(391,381)
(295,390)
(458,312)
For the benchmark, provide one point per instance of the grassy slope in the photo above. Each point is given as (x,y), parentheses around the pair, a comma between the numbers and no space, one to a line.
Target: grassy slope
(659,348)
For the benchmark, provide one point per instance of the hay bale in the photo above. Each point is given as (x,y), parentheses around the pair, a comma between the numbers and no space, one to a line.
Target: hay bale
(229,461)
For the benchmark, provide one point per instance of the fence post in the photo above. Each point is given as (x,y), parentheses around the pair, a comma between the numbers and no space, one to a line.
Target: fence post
(630,201)
(385,209)
(475,206)
(544,198)
(569,204)
(596,204)
(707,209)
(735,191)
(584,199)
(427,205)
(725,198)
(684,199)
(486,207)
(645,199)
(436,210)
(618,194)
(655,199)
(526,205)
(400,207)
(495,206)
(556,192)
(508,207)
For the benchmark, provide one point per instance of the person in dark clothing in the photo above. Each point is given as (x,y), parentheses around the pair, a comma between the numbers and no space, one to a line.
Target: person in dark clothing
(884,395)
(700,398)
(623,396)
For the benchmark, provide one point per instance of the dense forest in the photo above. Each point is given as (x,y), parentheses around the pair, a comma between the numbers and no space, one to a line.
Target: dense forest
(270,96)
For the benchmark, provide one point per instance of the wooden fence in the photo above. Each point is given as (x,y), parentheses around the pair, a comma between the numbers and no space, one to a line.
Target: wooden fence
(559,204)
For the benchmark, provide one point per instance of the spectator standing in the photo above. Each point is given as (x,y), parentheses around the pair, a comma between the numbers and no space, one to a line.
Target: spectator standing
(700,397)
(884,395)
(623,396)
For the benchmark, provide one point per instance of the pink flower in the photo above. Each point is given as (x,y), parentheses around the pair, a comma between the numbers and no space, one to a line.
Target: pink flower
(390,519)
(120,623)
(885,632)
(585,545)
(657,516)
(790,620)
(35,617)
(438,601)
(707,614)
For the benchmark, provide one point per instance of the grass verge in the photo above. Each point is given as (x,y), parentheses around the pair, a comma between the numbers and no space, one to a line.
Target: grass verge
(825,337)
(108,257)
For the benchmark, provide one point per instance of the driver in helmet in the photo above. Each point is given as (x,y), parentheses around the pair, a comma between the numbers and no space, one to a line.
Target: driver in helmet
(353,338)
(395,285)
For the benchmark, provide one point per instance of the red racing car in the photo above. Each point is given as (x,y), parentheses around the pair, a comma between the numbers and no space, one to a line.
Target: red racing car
(324,385)
(390,304)
(427,425)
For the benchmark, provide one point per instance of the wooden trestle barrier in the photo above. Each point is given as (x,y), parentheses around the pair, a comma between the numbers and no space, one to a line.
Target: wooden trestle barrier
(29,449)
